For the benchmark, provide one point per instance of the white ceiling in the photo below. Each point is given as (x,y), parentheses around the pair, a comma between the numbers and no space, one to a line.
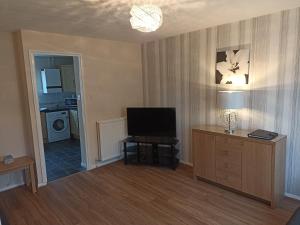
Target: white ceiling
(109,19)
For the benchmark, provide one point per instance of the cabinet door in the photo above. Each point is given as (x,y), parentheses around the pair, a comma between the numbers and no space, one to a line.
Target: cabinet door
(74,123)
(204,155)
(68,78)
(53,77)
(257,169)
(44,127)
(51,80)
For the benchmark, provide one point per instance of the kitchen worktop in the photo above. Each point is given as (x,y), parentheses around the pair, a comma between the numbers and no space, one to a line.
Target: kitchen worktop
(46,110)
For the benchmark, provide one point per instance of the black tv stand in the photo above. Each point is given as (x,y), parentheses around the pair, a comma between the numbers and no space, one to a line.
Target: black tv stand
(151,150)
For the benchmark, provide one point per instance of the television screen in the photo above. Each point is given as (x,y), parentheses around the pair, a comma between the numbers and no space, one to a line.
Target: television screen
(155,122)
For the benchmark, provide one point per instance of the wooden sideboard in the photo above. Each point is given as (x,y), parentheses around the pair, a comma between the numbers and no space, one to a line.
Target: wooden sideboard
(251,166)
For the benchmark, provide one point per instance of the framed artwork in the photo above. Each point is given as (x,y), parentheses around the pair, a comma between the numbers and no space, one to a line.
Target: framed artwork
(232,66)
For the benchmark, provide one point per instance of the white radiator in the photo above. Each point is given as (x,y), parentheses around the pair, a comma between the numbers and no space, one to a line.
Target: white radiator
(110,134)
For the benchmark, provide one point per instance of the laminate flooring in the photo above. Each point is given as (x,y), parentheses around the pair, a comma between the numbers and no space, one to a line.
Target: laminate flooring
(139,195)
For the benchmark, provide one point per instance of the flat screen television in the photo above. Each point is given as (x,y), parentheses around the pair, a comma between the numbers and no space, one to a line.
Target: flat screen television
(154,122)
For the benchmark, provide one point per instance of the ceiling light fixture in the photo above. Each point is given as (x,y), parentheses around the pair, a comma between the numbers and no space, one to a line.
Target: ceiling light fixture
(146,18)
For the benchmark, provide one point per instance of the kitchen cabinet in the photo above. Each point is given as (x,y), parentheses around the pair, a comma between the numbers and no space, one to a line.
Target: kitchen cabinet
(51,81)
(74,123)
(44,127)
(68,78)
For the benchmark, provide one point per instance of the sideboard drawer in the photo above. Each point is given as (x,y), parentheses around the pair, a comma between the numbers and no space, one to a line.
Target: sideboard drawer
(229,143)
(229,179)
(228,155)
(227,166)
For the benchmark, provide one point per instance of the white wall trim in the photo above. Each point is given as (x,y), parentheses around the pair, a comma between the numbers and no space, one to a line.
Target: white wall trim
(19,185)
(83,164)
(100,163)
(297,197)
(83,121)
(12,186)
(186,163)
(38,137)
(42,184)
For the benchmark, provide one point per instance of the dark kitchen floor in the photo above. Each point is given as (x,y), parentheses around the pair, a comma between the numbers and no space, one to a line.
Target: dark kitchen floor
(63,158)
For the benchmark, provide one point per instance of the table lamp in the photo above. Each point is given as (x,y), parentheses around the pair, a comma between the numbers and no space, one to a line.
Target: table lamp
(229,102)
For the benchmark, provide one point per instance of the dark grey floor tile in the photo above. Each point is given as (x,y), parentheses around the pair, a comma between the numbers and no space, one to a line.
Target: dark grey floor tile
(62,159)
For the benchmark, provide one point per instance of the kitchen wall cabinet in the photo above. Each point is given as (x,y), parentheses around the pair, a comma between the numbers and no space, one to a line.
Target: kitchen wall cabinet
(68,78)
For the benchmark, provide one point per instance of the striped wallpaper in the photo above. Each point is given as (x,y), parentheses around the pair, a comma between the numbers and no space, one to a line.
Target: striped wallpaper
(180,72)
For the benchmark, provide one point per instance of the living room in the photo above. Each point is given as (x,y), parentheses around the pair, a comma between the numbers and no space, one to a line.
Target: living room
(215,70)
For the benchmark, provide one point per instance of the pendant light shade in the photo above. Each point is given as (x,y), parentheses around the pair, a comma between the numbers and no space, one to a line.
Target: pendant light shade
(146,18)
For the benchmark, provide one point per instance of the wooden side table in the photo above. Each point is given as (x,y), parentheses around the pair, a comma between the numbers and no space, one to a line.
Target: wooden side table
(22,163)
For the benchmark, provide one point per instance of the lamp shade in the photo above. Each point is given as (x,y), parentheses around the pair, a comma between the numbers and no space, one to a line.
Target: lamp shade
(231,99)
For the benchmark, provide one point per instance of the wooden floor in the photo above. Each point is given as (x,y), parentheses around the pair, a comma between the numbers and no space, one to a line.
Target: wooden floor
(122,195)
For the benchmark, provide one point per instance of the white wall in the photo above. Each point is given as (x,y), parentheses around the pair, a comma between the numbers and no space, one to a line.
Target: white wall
(13,123)
(112,80)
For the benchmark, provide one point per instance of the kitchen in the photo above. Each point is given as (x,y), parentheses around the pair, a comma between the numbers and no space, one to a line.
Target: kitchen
(57,94)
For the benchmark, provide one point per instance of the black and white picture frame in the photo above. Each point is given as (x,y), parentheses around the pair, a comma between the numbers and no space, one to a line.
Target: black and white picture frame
(232,66)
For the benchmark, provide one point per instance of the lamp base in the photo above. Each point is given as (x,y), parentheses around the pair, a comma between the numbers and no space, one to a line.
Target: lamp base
(229,131)
(230,121)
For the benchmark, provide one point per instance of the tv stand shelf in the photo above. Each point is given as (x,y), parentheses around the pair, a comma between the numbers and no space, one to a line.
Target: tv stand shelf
(151,151)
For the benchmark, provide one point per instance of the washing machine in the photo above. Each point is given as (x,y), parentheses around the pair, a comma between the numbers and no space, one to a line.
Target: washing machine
(58,126)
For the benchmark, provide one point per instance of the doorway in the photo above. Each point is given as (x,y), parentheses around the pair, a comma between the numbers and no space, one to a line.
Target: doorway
(59,90)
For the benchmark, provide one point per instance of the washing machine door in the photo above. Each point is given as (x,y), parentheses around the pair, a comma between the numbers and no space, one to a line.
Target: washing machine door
(59,125)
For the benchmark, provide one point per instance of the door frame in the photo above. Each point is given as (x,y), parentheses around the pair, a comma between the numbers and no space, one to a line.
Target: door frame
(37,136)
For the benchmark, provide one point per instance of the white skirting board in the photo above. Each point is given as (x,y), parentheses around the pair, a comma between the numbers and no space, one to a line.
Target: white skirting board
(100,163)
(292,196)
(12,186)
(11,180)
(110,135)
(186,163)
